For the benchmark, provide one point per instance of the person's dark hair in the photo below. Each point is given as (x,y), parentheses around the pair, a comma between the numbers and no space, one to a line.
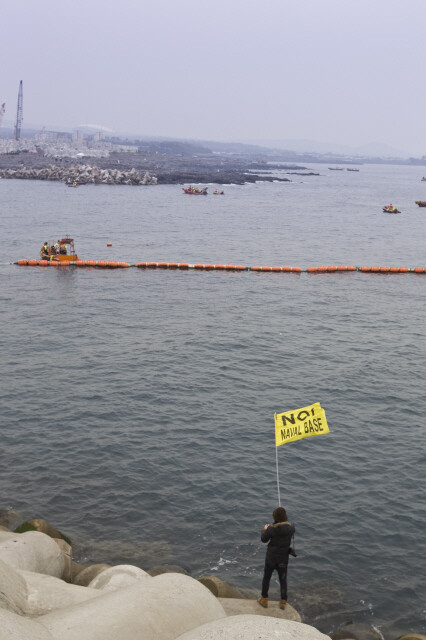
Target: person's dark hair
(280,514)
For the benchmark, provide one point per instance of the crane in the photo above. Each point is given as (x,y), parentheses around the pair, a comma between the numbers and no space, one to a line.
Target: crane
(19,114)
(2,110)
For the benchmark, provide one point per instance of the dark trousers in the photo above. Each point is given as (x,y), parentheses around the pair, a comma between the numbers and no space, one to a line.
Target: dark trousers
(281,569)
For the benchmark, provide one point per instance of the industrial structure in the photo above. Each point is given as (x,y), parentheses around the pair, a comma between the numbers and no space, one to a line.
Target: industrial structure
(19,114)
(2,110)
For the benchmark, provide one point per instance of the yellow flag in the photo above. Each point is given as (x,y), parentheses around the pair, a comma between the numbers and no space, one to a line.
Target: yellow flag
(300,423)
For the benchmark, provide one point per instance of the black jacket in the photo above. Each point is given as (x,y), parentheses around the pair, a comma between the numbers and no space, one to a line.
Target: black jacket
(279,536)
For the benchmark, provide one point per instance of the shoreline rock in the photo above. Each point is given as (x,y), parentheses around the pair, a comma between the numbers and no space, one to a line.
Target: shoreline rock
(45,595)
(80,174)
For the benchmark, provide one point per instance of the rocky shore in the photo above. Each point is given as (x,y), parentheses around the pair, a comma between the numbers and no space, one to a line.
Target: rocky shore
(80,174)
(46,595)
(140,169)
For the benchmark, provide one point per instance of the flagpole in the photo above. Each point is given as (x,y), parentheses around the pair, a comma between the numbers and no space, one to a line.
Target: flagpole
(278,478)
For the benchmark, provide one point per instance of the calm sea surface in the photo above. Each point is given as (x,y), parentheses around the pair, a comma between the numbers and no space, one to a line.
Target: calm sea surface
(137,406)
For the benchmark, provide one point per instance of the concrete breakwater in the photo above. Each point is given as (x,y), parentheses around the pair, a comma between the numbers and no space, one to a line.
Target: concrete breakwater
(81,174)
(45,595)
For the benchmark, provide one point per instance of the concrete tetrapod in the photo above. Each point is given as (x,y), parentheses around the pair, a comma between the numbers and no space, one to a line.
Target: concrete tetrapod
(13,590)
(122,575)
(235,606)
(46,593)
(161,608)
(14,627)
(34,594)
(32,551)
(253,627)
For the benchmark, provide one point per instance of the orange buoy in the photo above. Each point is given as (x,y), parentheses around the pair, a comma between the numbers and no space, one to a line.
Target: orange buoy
(32,263)
(394,270)
(112,264)
(162,265)
(109,244)
(198,266)
(321,269)
(240,267)
(384,269)
(331,268)
(296,270)
(365,269)
(276,269)
(255,268)
(22,262)
(403,269)
(43,263)
(151,265)
(123,265)
(266,269)
(90,263)
(80,263)
(65,263)
(419,270)
(230,267)
(342,267)
(286,269)
(311,270)
(209,266)
(219,266)
(173,265)
(141,265)
(351,268)
(375,269)
(183,265)
(101,263)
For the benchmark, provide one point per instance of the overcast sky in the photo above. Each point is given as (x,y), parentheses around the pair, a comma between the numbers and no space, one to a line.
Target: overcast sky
(336,71)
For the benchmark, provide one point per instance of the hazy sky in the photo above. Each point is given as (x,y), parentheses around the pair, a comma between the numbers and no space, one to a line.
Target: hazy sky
(336,71)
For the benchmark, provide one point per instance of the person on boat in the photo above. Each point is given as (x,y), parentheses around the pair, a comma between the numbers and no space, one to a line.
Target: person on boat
(279,536)
(63,249)
(44,251)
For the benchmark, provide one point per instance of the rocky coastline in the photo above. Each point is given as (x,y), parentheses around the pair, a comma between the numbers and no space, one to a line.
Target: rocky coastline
(46,595)
(80,174)
(141,169)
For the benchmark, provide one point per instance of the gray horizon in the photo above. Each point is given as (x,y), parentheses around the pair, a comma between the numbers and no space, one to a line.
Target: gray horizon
(340,74)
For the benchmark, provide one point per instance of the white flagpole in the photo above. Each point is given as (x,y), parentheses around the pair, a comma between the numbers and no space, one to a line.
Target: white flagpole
(278,478)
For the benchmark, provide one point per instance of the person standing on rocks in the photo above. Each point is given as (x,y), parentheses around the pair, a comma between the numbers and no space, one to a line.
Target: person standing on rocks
(278,535)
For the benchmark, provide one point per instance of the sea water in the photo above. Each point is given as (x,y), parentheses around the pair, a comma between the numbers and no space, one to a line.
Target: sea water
(137,406)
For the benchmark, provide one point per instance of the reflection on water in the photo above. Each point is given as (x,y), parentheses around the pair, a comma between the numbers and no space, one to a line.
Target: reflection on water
(137,406)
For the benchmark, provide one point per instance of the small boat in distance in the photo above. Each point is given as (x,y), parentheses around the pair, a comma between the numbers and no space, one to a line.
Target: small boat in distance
(347,169)
(421,203)
(195,191)
(216,192)
(335,168)
(390,209)
(423,179)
